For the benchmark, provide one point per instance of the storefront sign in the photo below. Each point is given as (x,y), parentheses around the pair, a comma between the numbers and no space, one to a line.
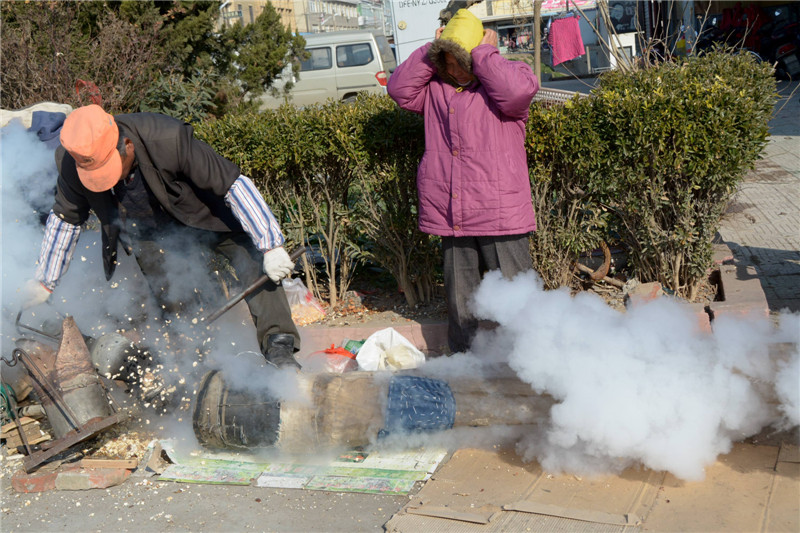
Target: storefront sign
(415,23)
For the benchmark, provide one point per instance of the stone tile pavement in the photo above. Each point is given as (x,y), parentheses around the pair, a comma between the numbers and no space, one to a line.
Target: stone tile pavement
(762,224)
(784,143)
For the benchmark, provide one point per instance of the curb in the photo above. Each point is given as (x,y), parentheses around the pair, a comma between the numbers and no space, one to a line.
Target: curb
(740,288)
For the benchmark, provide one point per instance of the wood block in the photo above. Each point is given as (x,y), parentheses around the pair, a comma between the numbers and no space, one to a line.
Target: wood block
(129,464)
(11,427)
(31,429)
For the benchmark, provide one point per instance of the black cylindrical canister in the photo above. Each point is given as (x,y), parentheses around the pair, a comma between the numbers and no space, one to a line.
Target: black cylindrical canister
(227,418)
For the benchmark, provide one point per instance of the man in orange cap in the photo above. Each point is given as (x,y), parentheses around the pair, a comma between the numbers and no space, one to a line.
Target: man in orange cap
(148,179)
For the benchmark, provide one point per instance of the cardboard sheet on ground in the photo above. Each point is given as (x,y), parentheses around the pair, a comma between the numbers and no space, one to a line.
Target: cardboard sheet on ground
(752,488)
(479,490)
(374,472)
(488,491)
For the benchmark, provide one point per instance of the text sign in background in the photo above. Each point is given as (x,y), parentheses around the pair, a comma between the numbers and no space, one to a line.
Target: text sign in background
(415,23)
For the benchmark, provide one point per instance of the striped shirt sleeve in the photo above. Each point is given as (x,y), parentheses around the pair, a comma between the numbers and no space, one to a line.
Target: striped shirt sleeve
(58,246)
(257,220)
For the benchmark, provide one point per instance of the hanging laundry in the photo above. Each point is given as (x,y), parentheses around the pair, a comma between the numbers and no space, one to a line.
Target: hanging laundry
(565,40)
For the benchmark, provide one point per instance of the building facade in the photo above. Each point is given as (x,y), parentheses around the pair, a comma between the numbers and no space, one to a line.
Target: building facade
(315,16)
(372,15)
(246,11)
(311,16)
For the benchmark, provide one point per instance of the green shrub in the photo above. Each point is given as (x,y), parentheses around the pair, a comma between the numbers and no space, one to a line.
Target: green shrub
(341,178)
(185,99)
(386,203)
(566,159)
(304,161)
(326,159)
(650,160)
(681,137)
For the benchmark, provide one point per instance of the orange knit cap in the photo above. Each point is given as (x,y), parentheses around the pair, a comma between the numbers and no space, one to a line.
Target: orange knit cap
(91,135)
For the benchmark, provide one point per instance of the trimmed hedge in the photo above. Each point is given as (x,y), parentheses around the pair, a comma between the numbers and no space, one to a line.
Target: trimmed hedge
(683,135)
(650,160)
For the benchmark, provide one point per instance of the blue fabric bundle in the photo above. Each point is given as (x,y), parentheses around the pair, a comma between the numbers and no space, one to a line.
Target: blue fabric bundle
(416,404)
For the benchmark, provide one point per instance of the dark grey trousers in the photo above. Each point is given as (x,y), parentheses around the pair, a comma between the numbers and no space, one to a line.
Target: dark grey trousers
(466,260)
(160,260)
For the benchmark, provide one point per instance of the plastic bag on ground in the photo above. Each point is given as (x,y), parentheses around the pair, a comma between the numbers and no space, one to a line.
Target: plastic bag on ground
(305,308)
(386,349)
(334,360)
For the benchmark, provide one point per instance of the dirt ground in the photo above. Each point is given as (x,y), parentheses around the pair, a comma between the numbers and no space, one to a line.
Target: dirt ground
(363,303)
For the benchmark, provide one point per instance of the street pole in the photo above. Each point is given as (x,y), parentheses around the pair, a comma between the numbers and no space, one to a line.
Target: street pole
(537,39)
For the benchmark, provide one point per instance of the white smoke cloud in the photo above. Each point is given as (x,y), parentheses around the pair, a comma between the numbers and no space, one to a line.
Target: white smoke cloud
(29,176)
(27,168)
(643,386)
(786,388)
(248,371)
(185,349)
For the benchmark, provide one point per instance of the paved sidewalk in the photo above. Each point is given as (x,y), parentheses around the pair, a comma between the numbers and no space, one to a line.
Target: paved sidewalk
(762,225)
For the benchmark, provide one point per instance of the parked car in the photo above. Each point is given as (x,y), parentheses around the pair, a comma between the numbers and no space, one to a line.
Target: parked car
(340,65)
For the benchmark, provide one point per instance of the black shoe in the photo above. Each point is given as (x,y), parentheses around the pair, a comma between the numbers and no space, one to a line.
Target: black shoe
(280,350)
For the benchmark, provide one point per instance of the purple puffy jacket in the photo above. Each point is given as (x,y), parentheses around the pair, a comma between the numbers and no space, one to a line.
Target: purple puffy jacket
(473,178)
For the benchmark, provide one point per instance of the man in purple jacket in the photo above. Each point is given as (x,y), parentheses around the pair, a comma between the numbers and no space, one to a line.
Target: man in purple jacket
(473,184)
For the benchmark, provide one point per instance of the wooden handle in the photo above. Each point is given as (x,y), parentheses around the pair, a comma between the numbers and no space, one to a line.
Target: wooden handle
(294,256)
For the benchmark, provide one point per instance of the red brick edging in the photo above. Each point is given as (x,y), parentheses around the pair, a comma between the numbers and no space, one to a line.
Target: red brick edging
(68,477)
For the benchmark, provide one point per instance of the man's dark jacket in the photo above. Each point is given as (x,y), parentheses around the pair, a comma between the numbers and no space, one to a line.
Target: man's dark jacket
(186,176)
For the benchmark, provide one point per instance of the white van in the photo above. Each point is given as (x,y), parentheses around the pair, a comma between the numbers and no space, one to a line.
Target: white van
(340,65)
